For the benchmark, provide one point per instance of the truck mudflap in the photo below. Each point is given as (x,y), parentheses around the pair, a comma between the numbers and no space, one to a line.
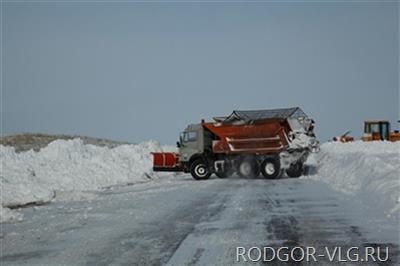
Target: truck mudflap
(166,161)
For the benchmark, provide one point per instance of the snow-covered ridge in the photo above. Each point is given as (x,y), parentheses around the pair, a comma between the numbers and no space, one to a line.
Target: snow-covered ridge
(70,165)
(365,171)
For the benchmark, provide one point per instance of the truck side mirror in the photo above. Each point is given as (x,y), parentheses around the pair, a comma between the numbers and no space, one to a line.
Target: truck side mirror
(178,144)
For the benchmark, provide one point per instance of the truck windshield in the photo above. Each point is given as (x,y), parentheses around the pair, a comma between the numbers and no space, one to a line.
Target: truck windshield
(189,136)
(371,128)
(374,128)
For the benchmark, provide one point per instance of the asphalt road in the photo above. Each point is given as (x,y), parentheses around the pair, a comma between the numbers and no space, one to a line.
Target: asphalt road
(187,222)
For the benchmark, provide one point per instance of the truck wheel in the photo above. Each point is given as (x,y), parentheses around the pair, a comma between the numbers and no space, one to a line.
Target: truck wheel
(199,170)
(271,168)
(248,168)
(295,170)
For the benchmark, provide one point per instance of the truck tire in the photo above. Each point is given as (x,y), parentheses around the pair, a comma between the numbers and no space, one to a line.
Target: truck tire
(248,168)
(271,168)
(295,170)
(199,170)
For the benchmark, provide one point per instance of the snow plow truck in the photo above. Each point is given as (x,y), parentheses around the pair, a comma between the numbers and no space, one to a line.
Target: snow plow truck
(247,143)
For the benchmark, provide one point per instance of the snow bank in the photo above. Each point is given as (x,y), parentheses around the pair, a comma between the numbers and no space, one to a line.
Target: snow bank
(366,171)
(70,165)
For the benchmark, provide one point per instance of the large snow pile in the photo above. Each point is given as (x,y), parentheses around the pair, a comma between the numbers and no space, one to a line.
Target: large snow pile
(365,171)
(35,177)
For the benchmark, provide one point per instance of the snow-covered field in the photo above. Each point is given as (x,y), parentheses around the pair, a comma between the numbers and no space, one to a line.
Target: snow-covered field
(366,172)
(70,165)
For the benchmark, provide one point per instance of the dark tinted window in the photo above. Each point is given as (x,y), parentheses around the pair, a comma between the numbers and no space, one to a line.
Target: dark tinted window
(190,136)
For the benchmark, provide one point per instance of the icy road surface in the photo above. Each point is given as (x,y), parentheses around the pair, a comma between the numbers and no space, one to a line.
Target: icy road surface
(188,222)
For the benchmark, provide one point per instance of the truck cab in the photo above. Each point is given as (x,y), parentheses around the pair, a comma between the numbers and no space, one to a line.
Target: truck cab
(379,130)
(376,130)
(194,141)
(191,142)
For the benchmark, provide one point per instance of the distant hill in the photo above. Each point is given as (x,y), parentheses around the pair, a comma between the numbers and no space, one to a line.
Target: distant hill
(36,141)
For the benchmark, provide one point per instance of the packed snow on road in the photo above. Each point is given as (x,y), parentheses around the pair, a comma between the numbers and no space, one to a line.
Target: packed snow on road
(77,204)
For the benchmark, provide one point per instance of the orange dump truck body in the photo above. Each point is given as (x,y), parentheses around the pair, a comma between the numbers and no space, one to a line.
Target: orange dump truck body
(260,138)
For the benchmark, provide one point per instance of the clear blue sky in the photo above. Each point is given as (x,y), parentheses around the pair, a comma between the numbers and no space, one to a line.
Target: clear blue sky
(136,71)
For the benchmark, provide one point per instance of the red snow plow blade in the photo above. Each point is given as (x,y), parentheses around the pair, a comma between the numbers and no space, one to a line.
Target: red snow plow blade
(166,161)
